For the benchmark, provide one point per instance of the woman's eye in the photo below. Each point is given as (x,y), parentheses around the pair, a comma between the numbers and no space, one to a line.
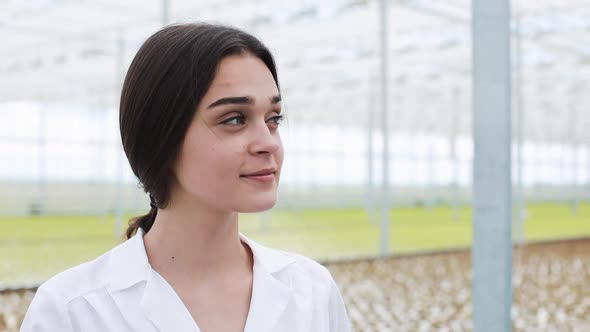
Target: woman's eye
(276,119)
(235,120)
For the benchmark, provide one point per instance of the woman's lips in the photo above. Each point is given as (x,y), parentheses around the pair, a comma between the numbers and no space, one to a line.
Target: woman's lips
(264,175)
(265,178)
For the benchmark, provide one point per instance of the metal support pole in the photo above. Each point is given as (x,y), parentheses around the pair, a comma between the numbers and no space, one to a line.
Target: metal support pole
(370,152)
(520,200)
(492,247)
(100,177)
(95,120)
(119,204)
(308,148)
(165,12)
(453,154)
(385,200)
(573,139)
(430,187)
(299,182)
(587,171)
(41,204)
(312,157)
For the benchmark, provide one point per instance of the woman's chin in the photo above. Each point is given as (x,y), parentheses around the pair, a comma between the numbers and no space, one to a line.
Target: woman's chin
(258,204)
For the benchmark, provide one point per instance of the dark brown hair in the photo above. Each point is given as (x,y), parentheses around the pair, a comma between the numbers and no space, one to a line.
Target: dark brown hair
(166,80)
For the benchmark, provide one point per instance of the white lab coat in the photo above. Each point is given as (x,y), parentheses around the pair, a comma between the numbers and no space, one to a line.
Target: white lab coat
(119,291)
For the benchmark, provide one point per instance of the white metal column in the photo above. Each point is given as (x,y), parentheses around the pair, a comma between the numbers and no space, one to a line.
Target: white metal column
(385,199)
(120,204)
(453,153)
(573,140)
(165,12)
(492,247)
(520,201)
(41,204)
(370,196)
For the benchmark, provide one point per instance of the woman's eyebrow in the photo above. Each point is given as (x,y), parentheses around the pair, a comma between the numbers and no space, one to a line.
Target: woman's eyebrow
(232,100)
(244,100)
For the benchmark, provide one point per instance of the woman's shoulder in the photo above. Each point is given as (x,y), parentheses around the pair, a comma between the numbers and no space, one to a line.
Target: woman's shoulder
(308,266)
(89,276)
(80,286)
(49,306)
(77,280)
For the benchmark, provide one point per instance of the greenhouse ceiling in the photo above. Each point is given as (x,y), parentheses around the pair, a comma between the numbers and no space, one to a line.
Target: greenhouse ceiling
(76,53)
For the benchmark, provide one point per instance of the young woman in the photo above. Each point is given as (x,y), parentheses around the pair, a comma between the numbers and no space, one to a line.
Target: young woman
(199,116)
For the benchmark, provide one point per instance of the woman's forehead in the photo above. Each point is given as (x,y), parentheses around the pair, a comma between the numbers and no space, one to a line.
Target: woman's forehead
(242,76)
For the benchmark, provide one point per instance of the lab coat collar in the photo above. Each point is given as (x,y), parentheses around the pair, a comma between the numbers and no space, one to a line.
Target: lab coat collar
(270,295)
(128,263)
(272,261)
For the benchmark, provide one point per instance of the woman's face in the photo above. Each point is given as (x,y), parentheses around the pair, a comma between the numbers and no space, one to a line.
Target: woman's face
(232,153)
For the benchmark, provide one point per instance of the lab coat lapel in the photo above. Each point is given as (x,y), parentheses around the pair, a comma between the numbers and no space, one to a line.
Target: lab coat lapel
(270,298)
(270,295)
(129,270)
(164,308)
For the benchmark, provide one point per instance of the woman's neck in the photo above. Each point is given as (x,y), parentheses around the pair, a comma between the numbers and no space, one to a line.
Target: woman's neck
(192,243)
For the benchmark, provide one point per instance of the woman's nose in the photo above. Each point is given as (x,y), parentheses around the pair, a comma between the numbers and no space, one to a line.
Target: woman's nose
(264,140)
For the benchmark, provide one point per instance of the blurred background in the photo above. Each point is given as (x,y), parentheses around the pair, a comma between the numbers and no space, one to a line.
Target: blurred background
(67,193)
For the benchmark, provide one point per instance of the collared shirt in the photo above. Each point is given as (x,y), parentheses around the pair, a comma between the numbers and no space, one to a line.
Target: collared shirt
(120,291)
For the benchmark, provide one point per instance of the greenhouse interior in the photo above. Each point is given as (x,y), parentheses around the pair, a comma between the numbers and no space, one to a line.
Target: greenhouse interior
(436,153)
